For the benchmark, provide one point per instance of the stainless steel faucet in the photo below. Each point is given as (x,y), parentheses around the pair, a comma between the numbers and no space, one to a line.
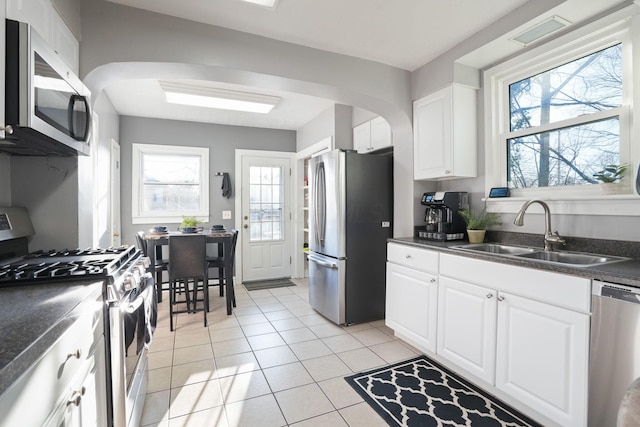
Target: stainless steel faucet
(549,237)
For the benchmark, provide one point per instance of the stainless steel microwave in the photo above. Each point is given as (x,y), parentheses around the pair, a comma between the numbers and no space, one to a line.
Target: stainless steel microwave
(46,105)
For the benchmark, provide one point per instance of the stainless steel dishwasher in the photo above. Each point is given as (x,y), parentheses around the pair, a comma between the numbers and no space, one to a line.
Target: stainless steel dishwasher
(615,354)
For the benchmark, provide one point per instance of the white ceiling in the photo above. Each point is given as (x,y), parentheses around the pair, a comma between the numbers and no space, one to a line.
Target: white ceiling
(406,34)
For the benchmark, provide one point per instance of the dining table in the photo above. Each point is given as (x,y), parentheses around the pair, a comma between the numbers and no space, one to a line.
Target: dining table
(223,238)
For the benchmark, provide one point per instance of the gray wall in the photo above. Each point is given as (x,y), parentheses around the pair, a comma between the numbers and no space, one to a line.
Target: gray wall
(335,122)
(222,142)
(120,42)
(48,188)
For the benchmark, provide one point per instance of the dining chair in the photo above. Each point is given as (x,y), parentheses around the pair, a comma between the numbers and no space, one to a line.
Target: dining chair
(219,263)
(187,268)
(160,264)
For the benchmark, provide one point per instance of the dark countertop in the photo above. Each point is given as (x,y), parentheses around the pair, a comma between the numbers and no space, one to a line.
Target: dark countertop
(33,319)
(623,272)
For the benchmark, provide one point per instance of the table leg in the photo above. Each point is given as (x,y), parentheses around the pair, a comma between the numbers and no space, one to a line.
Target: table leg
(228,276)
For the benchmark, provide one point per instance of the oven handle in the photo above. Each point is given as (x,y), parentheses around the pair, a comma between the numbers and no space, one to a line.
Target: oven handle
(141,297)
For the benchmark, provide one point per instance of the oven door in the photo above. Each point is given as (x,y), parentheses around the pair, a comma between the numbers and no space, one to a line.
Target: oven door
(132,321)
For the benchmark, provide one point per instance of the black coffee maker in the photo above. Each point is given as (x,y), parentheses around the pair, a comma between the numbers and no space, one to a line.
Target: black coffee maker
(443,222)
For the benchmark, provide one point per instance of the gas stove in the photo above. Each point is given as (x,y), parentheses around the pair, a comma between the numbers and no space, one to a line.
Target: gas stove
(74,264)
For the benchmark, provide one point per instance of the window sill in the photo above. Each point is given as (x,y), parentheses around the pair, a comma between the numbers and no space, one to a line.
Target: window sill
(592,204)
(164,220)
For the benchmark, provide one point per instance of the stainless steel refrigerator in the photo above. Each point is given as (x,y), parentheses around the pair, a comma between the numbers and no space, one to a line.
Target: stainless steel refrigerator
(350,220)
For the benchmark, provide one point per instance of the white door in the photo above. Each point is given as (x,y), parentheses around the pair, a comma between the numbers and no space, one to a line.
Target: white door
(114,194)
(266,217)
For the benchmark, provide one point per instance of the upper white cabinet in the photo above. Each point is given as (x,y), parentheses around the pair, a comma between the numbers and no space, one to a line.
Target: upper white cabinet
(445,134)
(44,18)
(372,135)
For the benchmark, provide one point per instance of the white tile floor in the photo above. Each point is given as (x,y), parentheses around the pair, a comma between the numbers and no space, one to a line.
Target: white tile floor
(273,362)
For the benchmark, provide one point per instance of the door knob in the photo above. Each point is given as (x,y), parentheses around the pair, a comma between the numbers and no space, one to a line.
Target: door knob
(246,226)
(246,217)
(116,234)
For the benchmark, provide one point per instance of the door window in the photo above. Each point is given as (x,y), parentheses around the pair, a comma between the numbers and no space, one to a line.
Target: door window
(266,204)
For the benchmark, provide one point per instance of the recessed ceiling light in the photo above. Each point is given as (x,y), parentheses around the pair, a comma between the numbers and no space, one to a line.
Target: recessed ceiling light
(271,4)
(202,96)
(538,31)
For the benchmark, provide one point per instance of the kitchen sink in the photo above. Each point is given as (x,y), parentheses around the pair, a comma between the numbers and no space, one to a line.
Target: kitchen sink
(496,248)
(573,259)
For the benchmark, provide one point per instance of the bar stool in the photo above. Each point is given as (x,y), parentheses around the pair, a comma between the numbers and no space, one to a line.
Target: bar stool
(187,268)
(160,265)
(219,263)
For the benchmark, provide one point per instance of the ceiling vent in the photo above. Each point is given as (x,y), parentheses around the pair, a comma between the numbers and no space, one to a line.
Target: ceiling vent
(269,4)
(538,31)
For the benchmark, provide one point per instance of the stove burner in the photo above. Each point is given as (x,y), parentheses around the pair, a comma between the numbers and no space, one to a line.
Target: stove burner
(67,264)
(75,252)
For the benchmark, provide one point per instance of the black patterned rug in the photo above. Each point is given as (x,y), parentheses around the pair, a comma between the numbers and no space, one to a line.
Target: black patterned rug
(422,393)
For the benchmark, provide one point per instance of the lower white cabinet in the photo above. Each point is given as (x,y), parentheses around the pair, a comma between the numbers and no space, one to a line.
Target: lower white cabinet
(542,357)
(528,346)
(411,305)
(412,294)
(467,326)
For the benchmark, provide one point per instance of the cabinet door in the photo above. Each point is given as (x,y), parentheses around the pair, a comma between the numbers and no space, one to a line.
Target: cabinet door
(362,137)
(411,305)
(542,357)
(380,134)
(466,326)
(432,135)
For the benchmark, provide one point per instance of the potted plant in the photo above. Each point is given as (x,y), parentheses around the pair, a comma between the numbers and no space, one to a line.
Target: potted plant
(189,223)
(610,175)
(477,223)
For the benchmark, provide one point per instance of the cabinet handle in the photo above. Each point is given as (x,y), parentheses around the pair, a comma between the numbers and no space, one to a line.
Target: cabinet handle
(77,354)
(500,298)
(489,295)
(433,280)
(447,172)
(407,256)
(76,397)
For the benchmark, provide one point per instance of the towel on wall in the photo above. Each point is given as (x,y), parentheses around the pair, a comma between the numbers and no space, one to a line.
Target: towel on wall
(226,185)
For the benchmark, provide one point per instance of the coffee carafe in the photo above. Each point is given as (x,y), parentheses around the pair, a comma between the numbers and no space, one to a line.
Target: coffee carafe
(443,222)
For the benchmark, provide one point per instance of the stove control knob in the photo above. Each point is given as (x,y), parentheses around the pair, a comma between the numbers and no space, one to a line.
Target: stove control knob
(141,269)
(129,282)
(146,261)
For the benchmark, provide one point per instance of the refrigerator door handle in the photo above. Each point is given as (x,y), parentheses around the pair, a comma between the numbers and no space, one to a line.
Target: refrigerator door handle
(322,263)
(320,214)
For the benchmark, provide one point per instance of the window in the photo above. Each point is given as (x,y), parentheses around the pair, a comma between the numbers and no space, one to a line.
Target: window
(564,122)
(168,183)
(559,113)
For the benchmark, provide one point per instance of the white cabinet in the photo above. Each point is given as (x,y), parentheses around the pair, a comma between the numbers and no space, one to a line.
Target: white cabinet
(412,295)
(525,331)
(445,134)
(67,384)
(44,18)
(3,8)
(372,135)
(542,357)
(467,326)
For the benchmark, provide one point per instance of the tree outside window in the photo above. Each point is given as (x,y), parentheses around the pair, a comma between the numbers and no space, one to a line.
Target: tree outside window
(564,122)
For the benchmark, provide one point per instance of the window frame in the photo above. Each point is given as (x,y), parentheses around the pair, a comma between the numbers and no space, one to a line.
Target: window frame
(590,38)
(138,215)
